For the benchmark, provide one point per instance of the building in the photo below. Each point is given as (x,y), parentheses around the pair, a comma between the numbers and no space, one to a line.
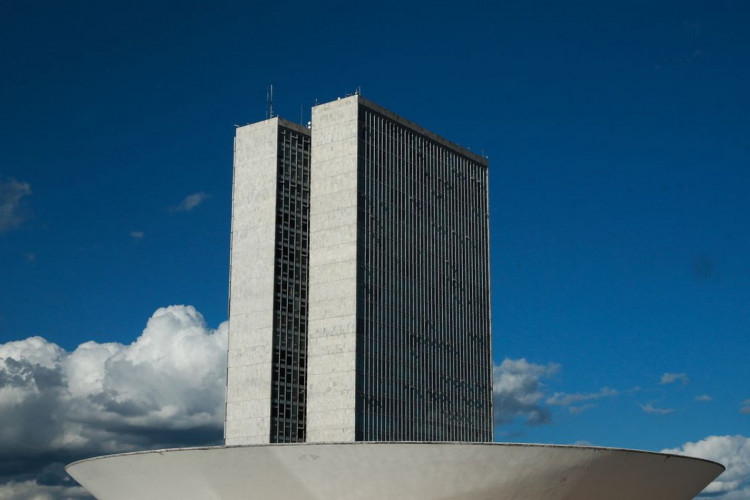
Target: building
(399,326)
(396,471)
(359,313)
(388,338)
(266,369)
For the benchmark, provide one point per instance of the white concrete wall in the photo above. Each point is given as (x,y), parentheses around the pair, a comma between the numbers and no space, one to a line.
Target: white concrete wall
(331,391)
(249,367)
(396,471)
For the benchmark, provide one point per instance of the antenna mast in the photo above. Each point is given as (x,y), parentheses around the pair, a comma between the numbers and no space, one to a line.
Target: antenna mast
(269,102)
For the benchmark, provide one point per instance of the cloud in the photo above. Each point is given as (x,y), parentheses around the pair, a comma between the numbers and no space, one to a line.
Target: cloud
(31,490)
(745,407)
(518,391)
(190,202)
(575,410)
(564,399)
(137,234)
(669,378)
(165,389)
(704,398)
(731,451)
(649,408)
(12,193)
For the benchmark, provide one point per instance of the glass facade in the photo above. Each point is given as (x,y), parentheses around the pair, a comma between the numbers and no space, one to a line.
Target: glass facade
(424,366)
(288,391)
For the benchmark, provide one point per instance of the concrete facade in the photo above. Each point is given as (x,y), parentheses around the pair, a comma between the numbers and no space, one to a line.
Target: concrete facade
(267,314)
(251,280)
(332,349)
(396,471)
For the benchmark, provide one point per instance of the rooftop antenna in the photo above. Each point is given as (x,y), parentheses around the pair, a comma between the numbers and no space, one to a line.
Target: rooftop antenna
(269,102)
(359,90)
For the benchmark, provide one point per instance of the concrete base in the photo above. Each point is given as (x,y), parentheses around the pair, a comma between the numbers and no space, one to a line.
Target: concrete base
(445,471)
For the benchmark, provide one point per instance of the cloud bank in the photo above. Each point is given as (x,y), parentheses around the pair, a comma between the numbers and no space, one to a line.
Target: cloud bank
(32,490)
(12,193)
(165,389)
(731,451)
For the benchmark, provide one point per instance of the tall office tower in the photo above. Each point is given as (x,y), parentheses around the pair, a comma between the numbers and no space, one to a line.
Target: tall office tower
(392,342)
(268,296)
(399,319)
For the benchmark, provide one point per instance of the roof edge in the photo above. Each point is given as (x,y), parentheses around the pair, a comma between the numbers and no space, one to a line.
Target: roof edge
(423,131)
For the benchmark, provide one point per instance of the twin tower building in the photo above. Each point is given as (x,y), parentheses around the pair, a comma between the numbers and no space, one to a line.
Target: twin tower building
(359,283)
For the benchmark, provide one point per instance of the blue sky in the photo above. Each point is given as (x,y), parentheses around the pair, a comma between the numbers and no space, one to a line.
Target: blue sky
(617,134)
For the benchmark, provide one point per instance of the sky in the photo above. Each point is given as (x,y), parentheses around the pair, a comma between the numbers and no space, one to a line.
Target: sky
(617,135)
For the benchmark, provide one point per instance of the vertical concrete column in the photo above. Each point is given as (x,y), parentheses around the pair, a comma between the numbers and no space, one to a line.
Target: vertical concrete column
(333,273)
(251,298)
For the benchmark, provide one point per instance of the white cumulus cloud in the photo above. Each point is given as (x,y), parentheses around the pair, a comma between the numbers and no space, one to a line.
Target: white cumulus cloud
(518,391)
(12,193)
(164,389)
(731,451)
